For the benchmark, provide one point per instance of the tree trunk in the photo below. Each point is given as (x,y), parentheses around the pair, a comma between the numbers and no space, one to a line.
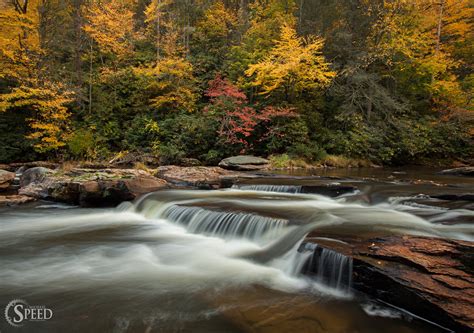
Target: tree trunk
(158,32)
(300,17)
(90,79)
(440,24)
(77,17)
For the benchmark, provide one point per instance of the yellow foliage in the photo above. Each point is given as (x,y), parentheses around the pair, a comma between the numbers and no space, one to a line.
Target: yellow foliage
(19,41)
(50,116)
(217,23)
(20,53)
(172,84)
(293,64)
(111,26)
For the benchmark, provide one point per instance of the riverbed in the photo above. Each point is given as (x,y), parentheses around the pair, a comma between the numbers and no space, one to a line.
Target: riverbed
(229,260)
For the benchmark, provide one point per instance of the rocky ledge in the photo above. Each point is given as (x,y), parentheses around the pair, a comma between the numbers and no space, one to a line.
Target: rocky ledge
(198,176)
(107,186)
(430,277)
(88,187)
(14,199)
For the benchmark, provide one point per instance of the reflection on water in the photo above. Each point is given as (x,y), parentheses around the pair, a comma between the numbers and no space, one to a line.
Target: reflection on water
(202,261)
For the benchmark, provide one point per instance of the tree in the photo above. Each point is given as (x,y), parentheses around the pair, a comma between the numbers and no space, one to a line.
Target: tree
(237,119)
(111,26)
(49,120)
(259,27)
(212,40)
(31,93)
(20,47)
(171,84)
(293,66)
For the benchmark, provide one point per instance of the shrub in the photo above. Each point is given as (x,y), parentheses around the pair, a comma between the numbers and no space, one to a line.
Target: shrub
(171,154)
(143,132)
(83,144)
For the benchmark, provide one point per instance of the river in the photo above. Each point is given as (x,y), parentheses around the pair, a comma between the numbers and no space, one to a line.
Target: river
(222,261)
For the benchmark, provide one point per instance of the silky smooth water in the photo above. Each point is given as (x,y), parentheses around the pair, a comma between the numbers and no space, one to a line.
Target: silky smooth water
(205,261)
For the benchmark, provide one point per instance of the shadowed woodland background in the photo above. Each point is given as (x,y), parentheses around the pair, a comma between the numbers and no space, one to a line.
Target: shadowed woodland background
(386,81)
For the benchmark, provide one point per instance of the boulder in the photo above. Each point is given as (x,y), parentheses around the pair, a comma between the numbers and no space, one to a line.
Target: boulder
(430,277)
(34,175)
(463,171)
(6,178)
(244,163)
(201,177)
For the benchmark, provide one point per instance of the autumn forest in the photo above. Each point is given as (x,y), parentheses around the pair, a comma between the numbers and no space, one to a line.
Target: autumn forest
(386,81)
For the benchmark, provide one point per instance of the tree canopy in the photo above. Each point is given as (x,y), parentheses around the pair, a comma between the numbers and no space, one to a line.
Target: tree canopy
(388,81)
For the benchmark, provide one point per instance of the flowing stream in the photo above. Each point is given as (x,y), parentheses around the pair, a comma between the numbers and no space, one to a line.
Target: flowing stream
(209,261)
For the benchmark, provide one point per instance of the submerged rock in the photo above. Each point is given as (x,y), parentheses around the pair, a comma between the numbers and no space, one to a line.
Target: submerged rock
(430,277)
(6,178)
(244,163)
(454,197)
(328,190)
(463,171)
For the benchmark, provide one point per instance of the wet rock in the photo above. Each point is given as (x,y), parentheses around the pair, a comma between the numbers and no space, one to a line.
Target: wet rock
(454,197)
(463,171)
(6,178)
(90,187)
(15,199)
(201,177)
(244,163)
(430,277)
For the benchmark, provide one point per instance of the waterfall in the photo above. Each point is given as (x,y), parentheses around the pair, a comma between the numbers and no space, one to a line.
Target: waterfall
(328,267)
(270,188)
(227,224)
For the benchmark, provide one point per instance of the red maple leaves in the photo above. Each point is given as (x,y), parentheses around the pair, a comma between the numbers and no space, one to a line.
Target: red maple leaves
(238,120)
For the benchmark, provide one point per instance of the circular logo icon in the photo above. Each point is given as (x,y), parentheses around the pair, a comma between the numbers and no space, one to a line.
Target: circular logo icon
(14,312)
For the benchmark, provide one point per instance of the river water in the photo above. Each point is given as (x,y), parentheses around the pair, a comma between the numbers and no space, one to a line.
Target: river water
(221,261)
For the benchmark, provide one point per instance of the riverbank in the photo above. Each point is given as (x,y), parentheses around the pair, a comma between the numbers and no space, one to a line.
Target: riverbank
(88,184)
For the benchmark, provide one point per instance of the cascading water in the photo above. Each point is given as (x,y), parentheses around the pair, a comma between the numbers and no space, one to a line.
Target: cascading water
(226,224)
(329,267)
(270,188)
(191,244)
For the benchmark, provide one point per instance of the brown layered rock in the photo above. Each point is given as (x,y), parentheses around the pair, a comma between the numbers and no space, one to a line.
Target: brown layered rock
(201,177)
(90,187)
(14,199)
(430,277)
(6,178)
